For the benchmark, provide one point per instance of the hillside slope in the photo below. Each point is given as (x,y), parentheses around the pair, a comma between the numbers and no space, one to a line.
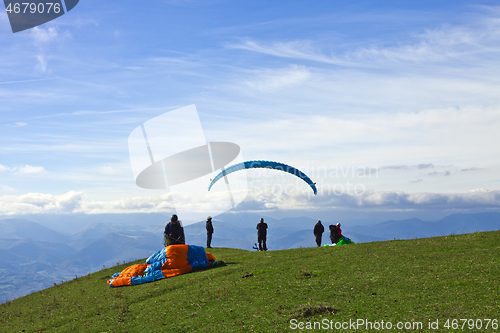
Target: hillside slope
(410,281)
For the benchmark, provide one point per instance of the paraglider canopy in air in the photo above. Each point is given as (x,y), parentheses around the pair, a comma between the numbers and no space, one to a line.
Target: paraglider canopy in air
(267,165)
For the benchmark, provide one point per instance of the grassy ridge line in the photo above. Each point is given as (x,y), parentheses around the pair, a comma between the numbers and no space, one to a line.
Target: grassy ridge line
(411,280)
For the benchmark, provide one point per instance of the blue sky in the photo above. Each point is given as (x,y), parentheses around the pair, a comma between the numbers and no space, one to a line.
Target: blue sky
(410,90)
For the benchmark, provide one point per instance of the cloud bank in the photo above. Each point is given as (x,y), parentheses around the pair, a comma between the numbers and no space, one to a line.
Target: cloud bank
(24,170)
(76,202)
(438,45)
(422,200)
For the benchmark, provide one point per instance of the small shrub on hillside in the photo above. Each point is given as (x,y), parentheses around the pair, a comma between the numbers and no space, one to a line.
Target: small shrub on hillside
(310,310)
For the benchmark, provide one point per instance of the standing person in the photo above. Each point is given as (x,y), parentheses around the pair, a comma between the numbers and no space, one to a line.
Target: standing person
(261,235)
(334,234)
(318,232)
(174,232)
(339,231)
(210,231)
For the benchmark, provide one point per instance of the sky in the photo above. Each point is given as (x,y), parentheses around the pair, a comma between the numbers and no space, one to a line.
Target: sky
(389,107)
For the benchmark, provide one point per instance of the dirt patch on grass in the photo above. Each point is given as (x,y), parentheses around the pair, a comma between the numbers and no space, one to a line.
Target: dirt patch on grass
(310,310)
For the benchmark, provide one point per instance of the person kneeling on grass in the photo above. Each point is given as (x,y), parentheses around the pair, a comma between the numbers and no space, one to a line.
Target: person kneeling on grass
(174,232)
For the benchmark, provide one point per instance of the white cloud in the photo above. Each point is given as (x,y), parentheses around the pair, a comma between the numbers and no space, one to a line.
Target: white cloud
(38,203)
(439,45)
(107,170)
(331,199)
(407,167)
(30,170)
(75,202)
(43,36)
(423,200)
(272,80)
(148,204)
(7,189)
(295,50)
(62,145)
(24,170)
(42,63)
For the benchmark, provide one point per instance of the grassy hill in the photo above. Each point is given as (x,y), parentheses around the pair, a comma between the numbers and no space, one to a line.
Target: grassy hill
(410,281)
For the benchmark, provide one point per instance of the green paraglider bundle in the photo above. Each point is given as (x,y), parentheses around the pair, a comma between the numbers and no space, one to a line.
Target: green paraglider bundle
(342,241)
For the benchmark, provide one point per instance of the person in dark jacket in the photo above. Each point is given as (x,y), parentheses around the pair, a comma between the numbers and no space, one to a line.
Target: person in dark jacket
(174,232)
(334,234)
(210,231)
(262,234)
(318,232)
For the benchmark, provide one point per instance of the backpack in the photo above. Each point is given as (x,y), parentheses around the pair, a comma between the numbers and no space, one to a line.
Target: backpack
(334,233)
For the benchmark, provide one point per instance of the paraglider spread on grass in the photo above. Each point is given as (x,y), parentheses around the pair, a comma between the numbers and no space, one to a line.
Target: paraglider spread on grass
(170,261)
(266,165)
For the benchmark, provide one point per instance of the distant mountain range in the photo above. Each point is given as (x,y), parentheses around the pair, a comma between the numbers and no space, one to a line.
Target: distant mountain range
(34,256)
(298,232)
(22,228)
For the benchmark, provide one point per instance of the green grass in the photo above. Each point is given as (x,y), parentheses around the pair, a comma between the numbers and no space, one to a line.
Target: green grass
(417,280)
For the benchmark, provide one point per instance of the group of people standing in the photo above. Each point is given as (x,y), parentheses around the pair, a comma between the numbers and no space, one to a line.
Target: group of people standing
(174,233)
(335,232)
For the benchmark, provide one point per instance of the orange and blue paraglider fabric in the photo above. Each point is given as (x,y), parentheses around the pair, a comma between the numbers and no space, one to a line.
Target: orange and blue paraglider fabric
(170,261)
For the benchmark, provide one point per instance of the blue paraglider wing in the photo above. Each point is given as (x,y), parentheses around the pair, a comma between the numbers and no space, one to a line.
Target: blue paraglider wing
(268,165)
